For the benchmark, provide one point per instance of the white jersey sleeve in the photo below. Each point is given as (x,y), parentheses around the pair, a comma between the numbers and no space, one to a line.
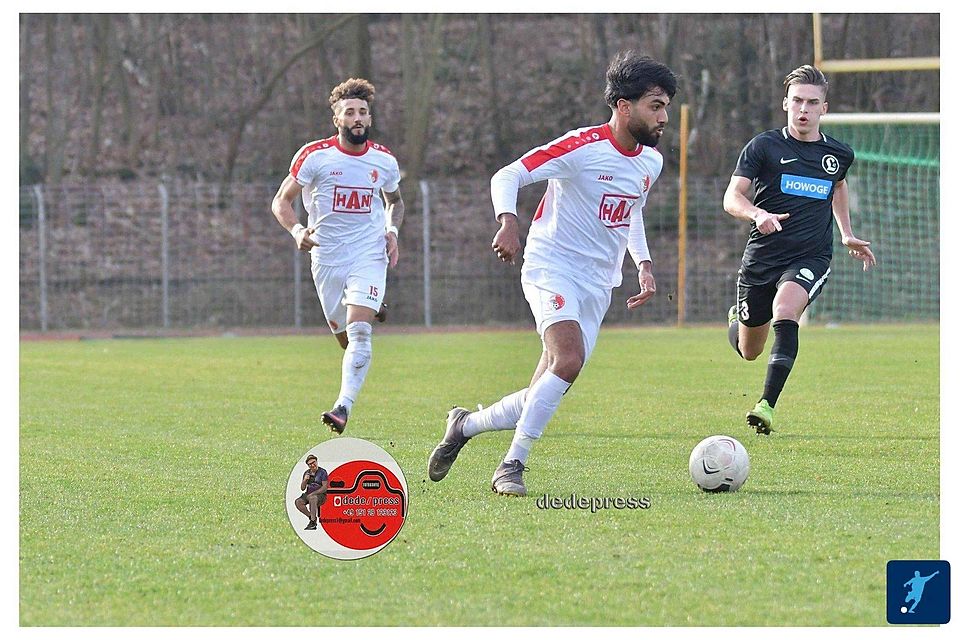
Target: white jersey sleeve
(549,161)
(392,182)
(305,166)
(636,234)
(637,239)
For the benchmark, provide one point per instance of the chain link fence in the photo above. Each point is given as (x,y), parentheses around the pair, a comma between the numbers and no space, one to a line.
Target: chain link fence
(120,255)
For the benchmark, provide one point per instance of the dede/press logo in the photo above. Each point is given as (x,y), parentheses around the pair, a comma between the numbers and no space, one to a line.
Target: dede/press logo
(347,499)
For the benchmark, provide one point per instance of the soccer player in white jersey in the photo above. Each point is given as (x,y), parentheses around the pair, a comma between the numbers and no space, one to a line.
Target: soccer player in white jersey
(350,234)
(598,180)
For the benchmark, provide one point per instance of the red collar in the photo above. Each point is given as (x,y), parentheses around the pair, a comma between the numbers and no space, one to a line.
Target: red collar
(608,132)
(336,143)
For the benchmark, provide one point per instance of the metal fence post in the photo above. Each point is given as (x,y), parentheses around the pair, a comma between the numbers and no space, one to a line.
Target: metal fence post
(297,275)
(297,309)
(682,218)
(42,246)
(165,254)
(425,206)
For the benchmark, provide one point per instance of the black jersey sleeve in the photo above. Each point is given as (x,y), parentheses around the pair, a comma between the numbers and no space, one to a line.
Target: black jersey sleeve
(847,163)
(751,159)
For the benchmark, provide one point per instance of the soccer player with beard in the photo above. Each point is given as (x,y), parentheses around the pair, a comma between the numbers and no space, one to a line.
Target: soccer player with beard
(799,175)
(350,234)
(591,213)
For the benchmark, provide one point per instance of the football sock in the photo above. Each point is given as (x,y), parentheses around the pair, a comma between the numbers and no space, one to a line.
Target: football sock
(782,355)
(542,401)
(356,362)
(499,416)
(733,335)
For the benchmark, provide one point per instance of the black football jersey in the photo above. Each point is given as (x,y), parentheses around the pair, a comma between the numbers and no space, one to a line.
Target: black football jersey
(795,177)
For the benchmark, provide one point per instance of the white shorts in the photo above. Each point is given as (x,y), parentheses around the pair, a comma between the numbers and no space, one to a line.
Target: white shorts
(556,296)
(361,283)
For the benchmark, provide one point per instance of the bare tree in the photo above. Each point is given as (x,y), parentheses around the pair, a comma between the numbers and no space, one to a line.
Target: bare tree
(419,78)
(248,112)
(497,115)
(56,119)
(29,172)
(361,64)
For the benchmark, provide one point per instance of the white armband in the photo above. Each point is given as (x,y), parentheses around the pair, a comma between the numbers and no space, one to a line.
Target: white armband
(393,229)
(296,229)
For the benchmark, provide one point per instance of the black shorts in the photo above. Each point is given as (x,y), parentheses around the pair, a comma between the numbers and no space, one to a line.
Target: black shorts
(755,301)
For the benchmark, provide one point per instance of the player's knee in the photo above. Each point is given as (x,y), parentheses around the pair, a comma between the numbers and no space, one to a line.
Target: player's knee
(360,350)
(359,332)
(567,366)
(750,353)
(787,311)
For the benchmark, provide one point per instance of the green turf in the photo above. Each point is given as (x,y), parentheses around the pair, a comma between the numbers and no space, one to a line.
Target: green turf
(152,476)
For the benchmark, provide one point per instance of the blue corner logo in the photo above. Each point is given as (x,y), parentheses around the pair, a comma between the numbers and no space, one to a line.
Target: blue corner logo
(918,592)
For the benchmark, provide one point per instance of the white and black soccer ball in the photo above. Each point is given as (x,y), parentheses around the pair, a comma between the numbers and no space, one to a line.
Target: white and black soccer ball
(719,463)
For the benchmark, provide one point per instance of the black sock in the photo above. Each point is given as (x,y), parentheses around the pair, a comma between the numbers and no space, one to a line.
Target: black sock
(733,335)
(786,343)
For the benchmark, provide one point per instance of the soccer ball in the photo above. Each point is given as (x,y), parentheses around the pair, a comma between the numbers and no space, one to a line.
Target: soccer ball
(719,463)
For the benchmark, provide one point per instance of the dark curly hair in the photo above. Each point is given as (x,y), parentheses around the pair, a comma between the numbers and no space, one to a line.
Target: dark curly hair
(807,74)
(352,88)
(631,76)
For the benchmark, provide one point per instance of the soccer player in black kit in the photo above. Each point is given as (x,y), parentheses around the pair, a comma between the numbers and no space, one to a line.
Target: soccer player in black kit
(799,177)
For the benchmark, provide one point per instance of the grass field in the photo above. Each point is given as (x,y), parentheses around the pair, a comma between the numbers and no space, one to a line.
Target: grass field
(152,475)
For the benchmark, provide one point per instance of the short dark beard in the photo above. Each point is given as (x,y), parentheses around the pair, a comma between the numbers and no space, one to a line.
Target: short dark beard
(646,137)
(354,138)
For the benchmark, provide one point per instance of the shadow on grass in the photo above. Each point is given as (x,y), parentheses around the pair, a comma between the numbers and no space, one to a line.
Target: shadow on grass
(776,436)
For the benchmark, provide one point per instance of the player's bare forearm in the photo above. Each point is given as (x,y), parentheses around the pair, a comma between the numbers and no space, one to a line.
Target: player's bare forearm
(648,285)
(738,205)
(394,209)
(841,208)
(736,202)
(856,247)
(284,213)
(282,205)
(506,243)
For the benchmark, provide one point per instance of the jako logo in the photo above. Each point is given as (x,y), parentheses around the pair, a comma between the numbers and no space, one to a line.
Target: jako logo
(615,209)
(352,199)
(809,187)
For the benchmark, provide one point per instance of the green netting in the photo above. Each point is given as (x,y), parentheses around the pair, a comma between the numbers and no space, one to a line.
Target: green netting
(895,204)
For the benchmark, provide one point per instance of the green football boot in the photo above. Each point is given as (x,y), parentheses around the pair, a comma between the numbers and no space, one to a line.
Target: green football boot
(761,418)
(732,315)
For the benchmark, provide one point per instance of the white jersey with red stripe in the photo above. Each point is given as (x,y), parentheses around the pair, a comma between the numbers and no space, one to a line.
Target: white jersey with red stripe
(592,210)
(341,193)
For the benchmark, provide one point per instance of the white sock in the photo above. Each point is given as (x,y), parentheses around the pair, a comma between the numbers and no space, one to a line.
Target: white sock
(499,416)
(356,362)
(543,399)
